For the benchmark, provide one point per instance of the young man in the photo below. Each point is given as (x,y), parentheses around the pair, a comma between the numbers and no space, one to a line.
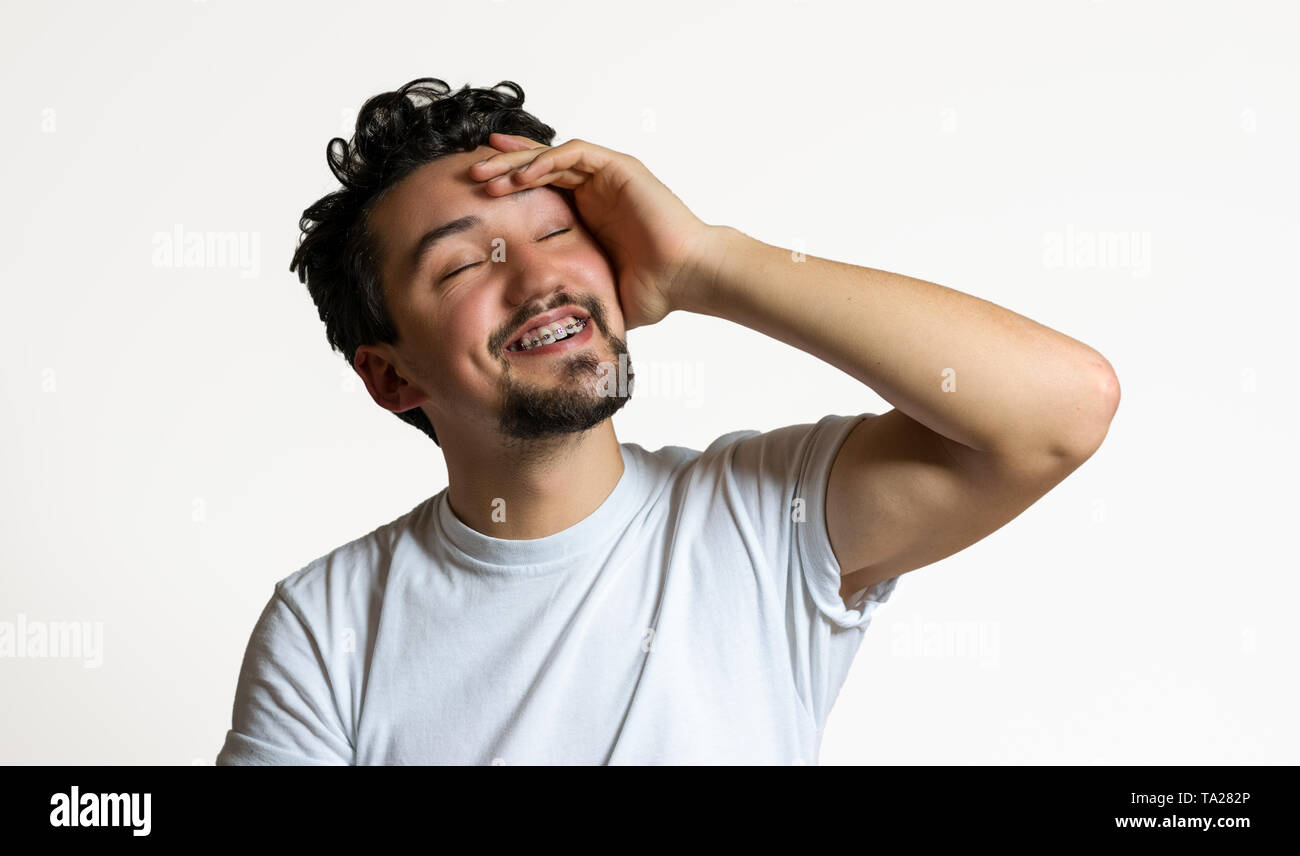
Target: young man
(568,599)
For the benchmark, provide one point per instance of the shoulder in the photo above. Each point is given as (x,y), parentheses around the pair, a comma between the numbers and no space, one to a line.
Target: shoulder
(676,459)
(754,467)
(783,451)
(356,570)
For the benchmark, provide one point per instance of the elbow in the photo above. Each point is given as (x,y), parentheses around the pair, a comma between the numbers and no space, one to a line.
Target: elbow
(1091,412)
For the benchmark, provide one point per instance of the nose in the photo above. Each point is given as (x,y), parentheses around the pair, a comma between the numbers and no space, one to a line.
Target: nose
(531,274)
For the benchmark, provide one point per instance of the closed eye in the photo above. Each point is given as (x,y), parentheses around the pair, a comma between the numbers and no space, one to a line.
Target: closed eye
(475,264)
(458,270)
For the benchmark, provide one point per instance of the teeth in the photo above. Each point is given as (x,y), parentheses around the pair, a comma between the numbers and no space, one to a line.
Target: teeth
(549,333)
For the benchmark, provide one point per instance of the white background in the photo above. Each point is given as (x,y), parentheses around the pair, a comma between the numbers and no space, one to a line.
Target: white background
(176,440)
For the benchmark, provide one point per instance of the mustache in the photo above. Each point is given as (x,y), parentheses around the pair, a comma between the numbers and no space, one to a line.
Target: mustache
(593,307)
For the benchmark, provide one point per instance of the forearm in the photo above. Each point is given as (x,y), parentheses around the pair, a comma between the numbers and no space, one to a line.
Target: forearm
(966,368)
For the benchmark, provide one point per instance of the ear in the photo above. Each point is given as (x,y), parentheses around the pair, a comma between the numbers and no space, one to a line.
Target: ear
(375,365)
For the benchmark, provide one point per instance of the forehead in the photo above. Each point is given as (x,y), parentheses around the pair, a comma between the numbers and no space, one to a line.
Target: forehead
(436,193)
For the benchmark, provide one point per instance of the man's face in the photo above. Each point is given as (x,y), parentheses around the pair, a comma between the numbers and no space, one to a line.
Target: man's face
(461,304)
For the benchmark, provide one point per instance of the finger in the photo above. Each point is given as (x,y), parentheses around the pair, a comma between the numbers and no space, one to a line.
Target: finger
(511,142)
(501,163)
(511,182)
(575,155)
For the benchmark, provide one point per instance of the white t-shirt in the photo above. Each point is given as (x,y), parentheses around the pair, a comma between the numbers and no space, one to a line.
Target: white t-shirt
(693,618)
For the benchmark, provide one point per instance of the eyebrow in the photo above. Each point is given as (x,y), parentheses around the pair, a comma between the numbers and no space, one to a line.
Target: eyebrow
(430,239)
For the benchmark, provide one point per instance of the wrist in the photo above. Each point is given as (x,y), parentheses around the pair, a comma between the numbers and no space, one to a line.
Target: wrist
(698,289)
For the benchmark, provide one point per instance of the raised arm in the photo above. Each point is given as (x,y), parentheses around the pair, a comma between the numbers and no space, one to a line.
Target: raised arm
(991,409)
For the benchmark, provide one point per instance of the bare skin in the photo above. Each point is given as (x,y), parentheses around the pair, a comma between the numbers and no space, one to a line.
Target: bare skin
(991,409)
(448,363)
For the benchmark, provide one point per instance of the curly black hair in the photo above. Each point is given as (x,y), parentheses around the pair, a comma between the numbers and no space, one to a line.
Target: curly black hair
(396,132)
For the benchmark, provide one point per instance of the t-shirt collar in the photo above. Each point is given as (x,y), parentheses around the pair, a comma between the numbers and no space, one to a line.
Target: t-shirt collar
(539,555)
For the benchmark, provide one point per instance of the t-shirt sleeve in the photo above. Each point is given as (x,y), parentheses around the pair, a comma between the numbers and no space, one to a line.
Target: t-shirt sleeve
(284,711)
(778,479)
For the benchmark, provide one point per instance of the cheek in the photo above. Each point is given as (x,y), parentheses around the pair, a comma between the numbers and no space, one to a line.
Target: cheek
(591,271)
(599,279)
(465,331)
(594,256)
(440,341)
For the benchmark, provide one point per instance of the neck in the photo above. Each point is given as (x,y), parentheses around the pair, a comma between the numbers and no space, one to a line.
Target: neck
(536,489)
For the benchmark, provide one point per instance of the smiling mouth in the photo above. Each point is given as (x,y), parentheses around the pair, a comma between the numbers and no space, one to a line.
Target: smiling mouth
(546,336)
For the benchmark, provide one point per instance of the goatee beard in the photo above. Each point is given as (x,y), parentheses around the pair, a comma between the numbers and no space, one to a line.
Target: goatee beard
(530,412)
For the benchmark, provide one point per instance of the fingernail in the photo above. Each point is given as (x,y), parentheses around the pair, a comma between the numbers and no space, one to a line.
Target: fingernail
(479,163)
